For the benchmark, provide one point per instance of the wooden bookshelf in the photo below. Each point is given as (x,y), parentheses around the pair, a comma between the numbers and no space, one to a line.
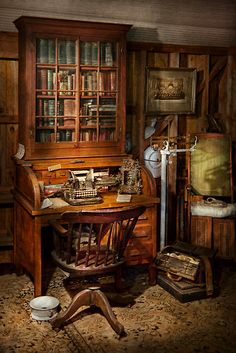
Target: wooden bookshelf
(76,70)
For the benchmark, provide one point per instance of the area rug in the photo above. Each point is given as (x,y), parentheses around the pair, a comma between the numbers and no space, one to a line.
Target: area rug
(154,321)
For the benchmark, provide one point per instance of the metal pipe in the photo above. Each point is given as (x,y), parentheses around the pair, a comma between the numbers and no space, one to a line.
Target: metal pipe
(165,152)
(163,198)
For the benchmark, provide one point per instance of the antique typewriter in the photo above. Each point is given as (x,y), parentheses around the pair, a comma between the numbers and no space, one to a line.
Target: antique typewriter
(80,188)
(84,186)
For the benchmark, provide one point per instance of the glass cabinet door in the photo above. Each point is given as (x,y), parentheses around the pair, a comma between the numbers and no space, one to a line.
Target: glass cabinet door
(56,72)
(76,100)
(98,91)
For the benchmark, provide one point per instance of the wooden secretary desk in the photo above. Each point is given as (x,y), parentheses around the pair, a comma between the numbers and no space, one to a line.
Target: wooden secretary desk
(72,116)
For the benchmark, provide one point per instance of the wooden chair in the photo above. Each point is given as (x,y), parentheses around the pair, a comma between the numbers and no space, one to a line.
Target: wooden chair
(92,243)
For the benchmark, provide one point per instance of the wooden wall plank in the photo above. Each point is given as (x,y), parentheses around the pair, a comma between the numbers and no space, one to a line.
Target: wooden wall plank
(8,45)
(9,91)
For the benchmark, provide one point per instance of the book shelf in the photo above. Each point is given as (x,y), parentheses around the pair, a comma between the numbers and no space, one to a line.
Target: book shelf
(72,79)
(66,111)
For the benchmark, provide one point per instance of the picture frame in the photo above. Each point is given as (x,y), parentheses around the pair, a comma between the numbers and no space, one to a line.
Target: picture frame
(170,90)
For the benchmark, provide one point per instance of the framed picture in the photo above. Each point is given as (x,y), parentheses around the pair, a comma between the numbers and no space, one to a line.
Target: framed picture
(170,90)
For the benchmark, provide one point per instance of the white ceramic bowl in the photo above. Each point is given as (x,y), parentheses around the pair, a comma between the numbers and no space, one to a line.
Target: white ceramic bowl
(44,308)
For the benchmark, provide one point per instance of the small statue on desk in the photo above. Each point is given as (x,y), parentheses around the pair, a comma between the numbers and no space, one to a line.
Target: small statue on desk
(130,177)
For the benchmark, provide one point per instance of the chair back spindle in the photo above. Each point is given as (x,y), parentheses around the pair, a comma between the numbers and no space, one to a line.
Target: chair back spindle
(93,242)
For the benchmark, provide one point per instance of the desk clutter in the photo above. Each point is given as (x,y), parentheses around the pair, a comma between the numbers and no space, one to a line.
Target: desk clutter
(84,187)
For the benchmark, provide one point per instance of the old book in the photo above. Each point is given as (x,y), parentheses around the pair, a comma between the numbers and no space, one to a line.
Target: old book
(112,82)
(69,84)
(51,51)
(42,50)
(62,52)
(69,107)
(60,107)
(108,54)
(87,53)
(94,53)
(39,107)
(50,81)
(51,107)
(63,82)
(70,52)
(43,81)
(69,122)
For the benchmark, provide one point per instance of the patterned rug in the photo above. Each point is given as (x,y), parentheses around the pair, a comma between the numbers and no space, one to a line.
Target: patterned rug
(154,320)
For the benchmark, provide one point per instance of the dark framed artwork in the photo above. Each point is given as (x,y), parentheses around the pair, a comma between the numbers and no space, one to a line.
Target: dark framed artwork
(170,90)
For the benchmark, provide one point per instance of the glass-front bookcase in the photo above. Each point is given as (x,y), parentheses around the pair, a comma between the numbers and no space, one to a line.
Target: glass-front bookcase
(74,80)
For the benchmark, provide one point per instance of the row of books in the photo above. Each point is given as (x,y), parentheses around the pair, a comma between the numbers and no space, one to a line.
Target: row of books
(88,121)
(49,135)
(68,135)
(46,51)
(106,135)
(65,82)
(88,83)
(65,107)
(48,82)
(46,107)
(91,135)
(93,81)
(93,109)
(89,53)
(42,122)
(66,52)
(66,49)
(109,121)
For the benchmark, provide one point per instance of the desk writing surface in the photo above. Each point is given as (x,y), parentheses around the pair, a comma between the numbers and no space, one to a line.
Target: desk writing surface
(109,201)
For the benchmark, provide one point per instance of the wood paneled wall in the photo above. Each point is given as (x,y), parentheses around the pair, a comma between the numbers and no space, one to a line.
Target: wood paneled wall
(8,106)
(8,137)
(215,97)
(216,86)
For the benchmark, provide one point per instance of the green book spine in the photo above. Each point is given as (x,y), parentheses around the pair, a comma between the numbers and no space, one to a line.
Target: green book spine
(42,50)
(70,52)
(87,53)
(108,54)
(62,52)
(51,51)
(50,81)
(94,53)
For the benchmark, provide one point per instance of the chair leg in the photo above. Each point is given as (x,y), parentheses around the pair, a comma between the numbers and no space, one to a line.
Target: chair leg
(99,299)
(88,297)
(80,299)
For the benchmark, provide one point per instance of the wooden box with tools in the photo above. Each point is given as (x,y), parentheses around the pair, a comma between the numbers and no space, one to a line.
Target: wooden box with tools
(186,271)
